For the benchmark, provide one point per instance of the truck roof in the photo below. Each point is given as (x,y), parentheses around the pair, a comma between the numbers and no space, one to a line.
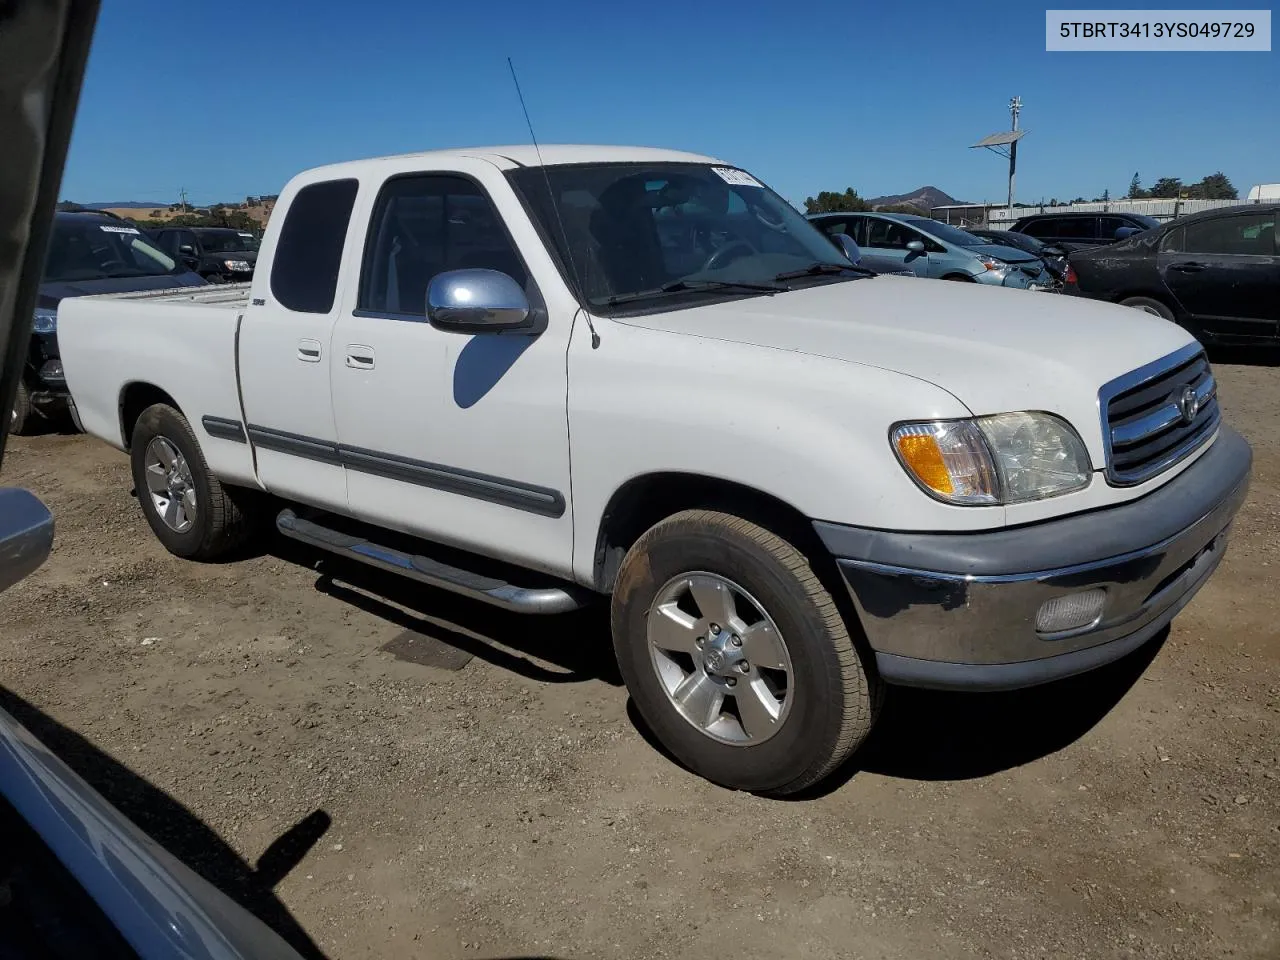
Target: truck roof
(525,155)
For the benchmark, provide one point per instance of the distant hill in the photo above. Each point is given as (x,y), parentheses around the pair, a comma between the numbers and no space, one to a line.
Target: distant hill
(126,205)
(924,198)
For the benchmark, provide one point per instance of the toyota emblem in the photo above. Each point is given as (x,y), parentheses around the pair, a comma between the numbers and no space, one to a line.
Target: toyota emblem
(1188,403)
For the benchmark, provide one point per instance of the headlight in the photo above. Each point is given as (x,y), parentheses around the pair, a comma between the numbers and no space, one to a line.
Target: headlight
(44,321)
(994,266)
(239,266)
(1006,458)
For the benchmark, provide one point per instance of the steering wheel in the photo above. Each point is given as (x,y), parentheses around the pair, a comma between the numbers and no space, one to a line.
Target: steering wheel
(720,257)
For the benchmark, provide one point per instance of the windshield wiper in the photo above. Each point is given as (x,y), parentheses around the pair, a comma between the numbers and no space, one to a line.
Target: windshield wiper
(820,267)
(681,286)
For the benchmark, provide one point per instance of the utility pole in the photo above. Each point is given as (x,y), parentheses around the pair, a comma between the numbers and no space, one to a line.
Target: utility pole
(182,195)
(1015,108)
(1006,145)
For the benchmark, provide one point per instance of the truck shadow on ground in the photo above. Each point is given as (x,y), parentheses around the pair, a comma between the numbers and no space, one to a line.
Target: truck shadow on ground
(180,831)
(561,648)
(934,735)
(921,734)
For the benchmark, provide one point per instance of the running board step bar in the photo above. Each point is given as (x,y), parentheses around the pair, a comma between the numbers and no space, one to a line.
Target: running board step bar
(432,572)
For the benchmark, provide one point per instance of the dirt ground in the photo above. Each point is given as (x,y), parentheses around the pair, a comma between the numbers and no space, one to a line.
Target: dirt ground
(458,782)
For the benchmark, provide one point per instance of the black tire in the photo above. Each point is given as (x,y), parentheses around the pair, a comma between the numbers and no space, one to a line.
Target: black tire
(223,519)
(1149,305)
(834,697)
(23,416)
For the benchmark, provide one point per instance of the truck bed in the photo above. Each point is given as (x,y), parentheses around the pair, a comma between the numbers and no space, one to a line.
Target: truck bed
(124,351)
(230,296)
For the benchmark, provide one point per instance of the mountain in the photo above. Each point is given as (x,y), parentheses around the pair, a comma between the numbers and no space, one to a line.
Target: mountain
(925,198)
(127,205)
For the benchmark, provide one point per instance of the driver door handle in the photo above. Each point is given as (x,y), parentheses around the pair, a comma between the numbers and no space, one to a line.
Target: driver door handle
(309,350)
(359,357)
(1189,267)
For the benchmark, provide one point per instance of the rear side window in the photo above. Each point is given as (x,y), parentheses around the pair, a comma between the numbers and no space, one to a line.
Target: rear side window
(304,272)
(1038,228)
(1233,236)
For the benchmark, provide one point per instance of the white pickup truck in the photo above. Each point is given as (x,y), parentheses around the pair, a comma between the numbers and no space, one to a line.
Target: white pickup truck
(536,379)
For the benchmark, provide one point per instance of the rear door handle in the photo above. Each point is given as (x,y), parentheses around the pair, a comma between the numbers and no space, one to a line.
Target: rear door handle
(1188,267)
(359,357)
(309,350)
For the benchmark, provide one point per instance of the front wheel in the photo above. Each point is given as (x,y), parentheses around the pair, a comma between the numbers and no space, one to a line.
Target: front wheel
(188,509)
(736,655)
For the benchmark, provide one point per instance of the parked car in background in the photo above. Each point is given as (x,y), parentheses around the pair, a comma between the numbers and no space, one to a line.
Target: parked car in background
(793,480)
(219,254)
(1071,231)
(931,249)
(88,253)
(1054,257)
(878,265)
(1216,273)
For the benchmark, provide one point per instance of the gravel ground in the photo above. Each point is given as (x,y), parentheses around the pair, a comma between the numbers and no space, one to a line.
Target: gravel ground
(382,770)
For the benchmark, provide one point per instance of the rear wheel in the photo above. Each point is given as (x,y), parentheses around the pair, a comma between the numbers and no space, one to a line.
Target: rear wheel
(188,509)
(736,655)
(23,415)
(1148,305)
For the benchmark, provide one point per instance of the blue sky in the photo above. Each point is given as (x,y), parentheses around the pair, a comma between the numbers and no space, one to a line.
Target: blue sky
(233,98)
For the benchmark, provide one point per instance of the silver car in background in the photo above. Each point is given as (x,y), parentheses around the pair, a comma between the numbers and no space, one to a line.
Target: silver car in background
(937,250)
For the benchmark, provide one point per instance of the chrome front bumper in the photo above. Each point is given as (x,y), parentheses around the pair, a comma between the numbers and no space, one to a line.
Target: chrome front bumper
(958,611)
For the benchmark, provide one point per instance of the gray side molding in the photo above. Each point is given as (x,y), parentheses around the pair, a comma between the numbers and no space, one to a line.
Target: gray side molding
(490,590)
(26,535)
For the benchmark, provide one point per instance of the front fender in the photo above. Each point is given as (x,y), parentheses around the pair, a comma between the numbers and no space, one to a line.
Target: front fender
(809,431)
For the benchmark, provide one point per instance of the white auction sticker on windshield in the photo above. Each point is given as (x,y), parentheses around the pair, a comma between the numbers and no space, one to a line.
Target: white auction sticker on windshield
(739,178)
(105,229)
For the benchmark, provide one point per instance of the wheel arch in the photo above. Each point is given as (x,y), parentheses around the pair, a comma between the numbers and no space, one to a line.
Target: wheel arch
(135,397)
(644,500)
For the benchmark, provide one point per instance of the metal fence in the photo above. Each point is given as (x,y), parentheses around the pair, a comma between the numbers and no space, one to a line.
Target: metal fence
(997,216)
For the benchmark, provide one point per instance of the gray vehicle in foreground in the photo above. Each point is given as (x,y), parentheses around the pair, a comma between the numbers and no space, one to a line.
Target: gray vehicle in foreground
(77,878)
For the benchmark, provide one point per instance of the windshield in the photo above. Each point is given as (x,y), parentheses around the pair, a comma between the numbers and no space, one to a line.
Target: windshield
(226,241)
(100,249)
(635,228)
(1019,241)
(943,231)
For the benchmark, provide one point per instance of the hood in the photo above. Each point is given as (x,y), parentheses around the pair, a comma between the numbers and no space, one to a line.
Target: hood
(995,349)
(1001,252)
(53,292)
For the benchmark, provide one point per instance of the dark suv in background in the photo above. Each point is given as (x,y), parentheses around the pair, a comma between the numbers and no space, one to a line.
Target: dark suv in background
(219,254)
(89,253)
(1072,231)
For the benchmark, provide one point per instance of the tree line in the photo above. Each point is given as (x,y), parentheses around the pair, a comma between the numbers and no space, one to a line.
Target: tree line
(213,217)
(828,201)
(1215,186)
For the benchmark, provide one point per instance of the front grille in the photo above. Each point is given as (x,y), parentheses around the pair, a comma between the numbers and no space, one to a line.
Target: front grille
(1158,414)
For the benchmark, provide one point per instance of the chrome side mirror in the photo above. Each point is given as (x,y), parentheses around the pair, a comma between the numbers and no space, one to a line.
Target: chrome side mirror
(915,246)
(848,246)
(476,301)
